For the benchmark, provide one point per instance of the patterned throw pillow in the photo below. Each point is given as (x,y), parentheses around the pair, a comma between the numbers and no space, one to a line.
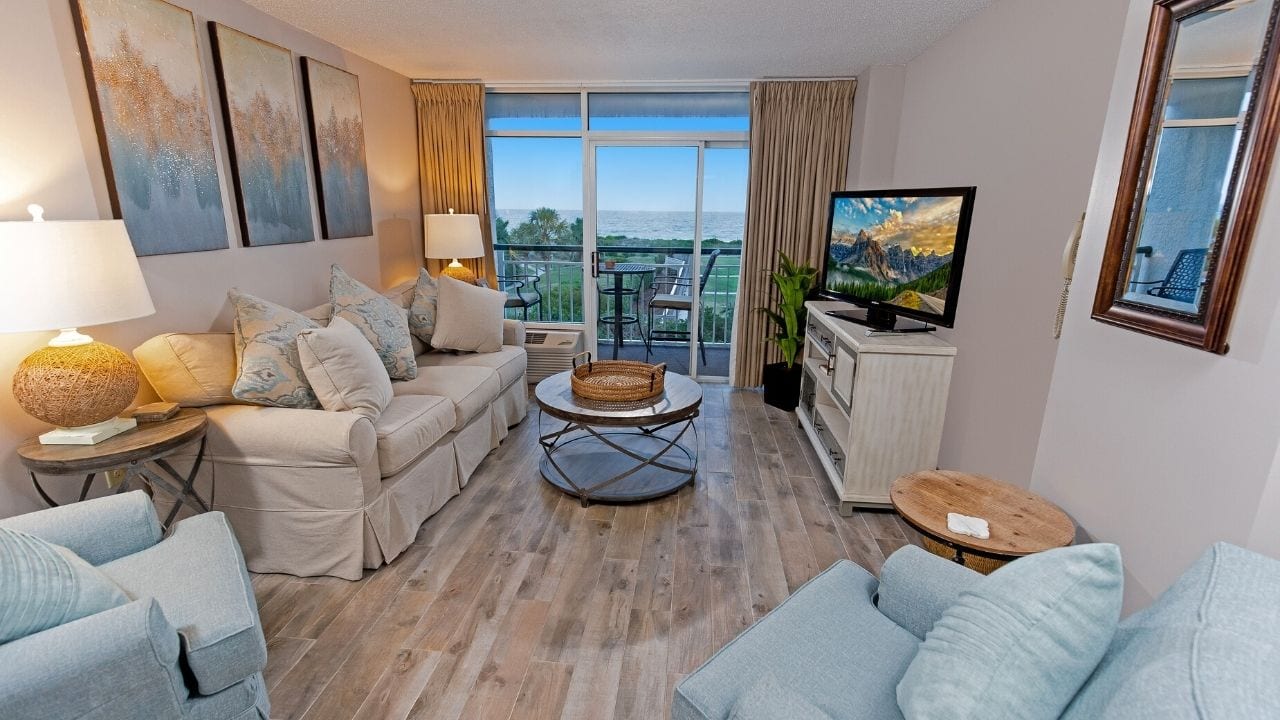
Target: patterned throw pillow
(380,320)
(268,370)
(43,585)
(422,313)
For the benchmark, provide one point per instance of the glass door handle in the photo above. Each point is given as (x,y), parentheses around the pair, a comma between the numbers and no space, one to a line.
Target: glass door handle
(595,264)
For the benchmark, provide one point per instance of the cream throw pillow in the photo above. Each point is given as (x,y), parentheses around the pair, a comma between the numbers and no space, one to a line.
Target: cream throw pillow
(268,371)
(468,317)
(344,371)
(381,321)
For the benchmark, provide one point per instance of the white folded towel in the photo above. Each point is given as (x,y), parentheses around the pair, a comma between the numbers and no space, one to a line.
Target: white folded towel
(966,525)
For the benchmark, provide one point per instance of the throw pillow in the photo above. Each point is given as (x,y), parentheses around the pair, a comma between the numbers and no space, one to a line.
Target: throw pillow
(469,317)
(422,312)
(344,371)
(268,370)
(43,585)
(1021,642)
(380,320)
(769,700)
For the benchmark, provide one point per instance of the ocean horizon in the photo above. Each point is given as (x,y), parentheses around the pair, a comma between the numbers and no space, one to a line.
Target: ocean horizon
(650,224)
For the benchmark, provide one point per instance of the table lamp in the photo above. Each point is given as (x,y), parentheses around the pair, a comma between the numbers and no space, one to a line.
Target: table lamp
(453,236)
(60,276)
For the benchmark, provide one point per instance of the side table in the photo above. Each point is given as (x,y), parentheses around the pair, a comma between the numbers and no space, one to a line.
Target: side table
(1021,522)
(140,453)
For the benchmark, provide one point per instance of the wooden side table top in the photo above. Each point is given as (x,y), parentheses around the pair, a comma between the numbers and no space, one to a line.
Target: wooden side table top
(1021,522)
(145,441)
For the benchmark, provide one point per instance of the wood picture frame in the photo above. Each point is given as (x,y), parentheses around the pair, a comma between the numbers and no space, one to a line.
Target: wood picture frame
(1207,327)
(336,123)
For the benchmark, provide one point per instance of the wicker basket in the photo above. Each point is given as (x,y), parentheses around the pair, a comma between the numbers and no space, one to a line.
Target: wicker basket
(617,380)
(984,564)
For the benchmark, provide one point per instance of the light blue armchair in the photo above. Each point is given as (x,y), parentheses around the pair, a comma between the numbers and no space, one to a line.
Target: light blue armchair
(188,645)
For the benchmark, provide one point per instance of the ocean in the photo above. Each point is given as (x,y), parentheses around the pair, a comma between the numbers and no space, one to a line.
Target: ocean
(650,224)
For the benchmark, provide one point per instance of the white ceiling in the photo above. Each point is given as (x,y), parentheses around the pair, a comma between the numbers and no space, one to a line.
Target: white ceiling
(636,40)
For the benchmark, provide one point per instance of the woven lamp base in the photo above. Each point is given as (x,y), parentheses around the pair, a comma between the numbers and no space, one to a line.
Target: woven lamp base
(77,385)
(461,272)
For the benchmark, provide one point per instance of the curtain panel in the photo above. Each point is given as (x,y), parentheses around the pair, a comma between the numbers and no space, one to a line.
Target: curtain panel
(451,160)
(800,135)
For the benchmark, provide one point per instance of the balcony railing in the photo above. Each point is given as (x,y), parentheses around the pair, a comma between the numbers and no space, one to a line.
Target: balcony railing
(559,272)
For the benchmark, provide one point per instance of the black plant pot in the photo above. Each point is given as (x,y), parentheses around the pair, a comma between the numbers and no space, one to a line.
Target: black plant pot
(782,385)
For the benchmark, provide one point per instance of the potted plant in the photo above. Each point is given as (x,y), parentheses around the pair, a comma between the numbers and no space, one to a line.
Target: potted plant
(782,380)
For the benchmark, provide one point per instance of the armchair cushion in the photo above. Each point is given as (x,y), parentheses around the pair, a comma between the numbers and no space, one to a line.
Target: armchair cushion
(98,530)
(43,585)
(379,318)
(1021,642)
(916,587)
(198,577)
(767,700)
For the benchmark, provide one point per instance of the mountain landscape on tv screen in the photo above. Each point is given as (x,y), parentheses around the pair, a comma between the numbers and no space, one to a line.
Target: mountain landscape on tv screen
(894,250)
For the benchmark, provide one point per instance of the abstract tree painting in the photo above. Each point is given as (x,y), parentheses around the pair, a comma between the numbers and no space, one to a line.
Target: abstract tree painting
(143,70)
(337,144)
(264,127)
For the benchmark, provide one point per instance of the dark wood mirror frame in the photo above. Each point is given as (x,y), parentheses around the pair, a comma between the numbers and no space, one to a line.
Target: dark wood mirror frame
(1207,329)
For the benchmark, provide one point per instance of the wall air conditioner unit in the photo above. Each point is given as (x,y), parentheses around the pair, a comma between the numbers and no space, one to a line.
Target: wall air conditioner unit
(551,351)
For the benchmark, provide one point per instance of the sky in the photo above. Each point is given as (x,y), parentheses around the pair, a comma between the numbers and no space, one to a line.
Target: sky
(917,224)
(547,172)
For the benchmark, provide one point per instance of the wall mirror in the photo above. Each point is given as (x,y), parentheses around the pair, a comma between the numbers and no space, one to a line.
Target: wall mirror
(1199,151)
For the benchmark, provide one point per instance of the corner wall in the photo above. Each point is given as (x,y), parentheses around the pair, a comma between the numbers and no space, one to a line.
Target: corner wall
(1013,102)
(1161,448)
(49,154)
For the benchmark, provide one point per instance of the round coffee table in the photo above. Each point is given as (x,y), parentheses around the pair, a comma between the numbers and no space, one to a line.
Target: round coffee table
(619,452)
(1021,522)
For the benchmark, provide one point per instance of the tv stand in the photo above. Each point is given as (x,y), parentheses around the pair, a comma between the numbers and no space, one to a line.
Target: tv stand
(880,320)
(871,404)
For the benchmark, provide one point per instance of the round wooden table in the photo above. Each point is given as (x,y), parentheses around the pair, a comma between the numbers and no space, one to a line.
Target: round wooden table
(616,451)
(1021,522)
(140,453)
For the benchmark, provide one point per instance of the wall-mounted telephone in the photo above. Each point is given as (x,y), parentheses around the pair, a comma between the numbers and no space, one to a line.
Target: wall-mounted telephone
(1068,268)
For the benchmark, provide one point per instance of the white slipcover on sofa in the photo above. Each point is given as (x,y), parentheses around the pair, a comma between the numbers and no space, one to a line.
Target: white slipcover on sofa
(312,492)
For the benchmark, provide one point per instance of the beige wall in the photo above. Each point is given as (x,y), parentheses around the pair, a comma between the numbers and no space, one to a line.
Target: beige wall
(1160,448)
(1013,102)
(877,114)
(49,155)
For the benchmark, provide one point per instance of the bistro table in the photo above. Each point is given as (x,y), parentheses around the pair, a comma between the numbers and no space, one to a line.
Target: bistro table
(620,271)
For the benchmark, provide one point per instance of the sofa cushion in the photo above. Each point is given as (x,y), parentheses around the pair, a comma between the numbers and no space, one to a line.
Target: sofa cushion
(191,369)
(509,362)
(827,644)
(468,317)
(422,310)
(410,426)
(198,577)
(344,371)
(43,585)
(1022,641)
(471,389)
(382,321)
(1206,649)
(268,371)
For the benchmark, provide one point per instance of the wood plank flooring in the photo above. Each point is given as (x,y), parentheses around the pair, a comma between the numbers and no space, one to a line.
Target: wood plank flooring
(516,602)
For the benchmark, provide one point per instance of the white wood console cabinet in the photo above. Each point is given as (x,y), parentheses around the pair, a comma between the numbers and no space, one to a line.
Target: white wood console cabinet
(872,405)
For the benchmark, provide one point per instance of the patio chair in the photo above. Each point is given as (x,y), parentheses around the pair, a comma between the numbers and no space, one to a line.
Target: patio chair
(680,302)
(1182,282)
(522,292)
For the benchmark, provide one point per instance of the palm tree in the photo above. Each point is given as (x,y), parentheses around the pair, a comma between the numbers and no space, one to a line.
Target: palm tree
(544,227)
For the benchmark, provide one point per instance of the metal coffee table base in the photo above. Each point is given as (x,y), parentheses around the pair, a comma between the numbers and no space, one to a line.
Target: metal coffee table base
(619,465)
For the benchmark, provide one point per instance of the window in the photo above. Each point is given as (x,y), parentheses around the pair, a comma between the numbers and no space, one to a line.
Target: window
(533,111)
(668,111)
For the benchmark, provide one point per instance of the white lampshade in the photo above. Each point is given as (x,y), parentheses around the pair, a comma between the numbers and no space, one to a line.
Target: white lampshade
(56,275)
(453,236)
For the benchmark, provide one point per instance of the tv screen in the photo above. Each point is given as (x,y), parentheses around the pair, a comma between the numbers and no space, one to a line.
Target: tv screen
(899,251)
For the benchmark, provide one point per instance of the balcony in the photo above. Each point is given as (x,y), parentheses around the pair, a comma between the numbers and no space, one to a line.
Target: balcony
(559,272)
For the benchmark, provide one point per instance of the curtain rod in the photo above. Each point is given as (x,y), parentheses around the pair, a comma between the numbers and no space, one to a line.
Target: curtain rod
(625,83)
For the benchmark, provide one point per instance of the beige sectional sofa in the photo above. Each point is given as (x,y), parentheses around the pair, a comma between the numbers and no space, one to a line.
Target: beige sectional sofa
(312,492)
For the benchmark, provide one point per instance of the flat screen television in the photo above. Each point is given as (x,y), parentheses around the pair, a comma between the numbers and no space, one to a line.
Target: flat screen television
(897,254)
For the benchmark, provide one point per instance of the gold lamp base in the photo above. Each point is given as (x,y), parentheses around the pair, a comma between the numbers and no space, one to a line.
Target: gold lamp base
(458,271)
(80,388)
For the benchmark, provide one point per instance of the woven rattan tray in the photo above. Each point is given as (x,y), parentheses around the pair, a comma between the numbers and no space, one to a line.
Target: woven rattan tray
(617,380)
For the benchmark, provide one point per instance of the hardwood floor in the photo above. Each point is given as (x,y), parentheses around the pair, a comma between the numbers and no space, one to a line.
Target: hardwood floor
(516,602)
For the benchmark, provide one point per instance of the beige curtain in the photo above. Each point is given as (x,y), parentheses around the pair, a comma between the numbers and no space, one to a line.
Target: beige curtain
(451,159)
(800,134)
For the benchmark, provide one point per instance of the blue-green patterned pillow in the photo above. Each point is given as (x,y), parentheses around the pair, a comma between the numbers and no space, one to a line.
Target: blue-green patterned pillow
(381,321)
(422,313)
(43,585)
(268,370)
